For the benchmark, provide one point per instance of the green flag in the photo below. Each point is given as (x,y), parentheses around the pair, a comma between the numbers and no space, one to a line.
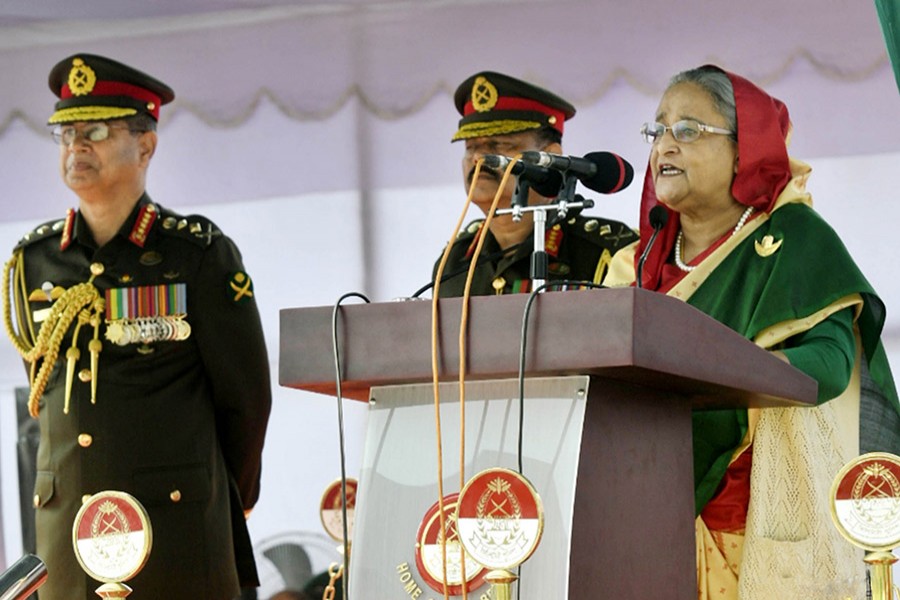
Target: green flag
(889,15)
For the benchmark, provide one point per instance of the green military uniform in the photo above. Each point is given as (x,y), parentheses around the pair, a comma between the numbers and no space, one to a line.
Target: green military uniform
(494,105)
(146,358)
(181,397)
(578,249)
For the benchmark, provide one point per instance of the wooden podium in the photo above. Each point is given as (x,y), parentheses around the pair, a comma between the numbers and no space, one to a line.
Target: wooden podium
(611,378)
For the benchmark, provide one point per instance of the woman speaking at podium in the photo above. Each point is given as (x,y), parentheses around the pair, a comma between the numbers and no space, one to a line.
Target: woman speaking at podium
(743,244)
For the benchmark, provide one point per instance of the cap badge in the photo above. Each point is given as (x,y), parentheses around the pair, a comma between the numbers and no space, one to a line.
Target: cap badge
(81,78)
(484,95)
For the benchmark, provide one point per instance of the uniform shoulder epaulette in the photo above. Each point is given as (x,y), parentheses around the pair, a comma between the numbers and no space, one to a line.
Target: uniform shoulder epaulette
(194,228)
(469,231)
(42,231)
(600,231)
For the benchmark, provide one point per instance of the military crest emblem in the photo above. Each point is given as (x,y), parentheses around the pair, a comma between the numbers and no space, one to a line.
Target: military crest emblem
(500,518)
(430,541)
(112,536)
(82,78)
(484,95)
(865,499)
(331,508)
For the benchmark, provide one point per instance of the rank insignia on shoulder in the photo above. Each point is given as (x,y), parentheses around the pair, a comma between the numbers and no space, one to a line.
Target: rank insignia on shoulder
(240,287)
(145,219)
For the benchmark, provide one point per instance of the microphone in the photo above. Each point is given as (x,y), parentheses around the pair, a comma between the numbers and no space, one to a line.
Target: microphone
(543,181)
(23,578)
(602,172)
(658,217)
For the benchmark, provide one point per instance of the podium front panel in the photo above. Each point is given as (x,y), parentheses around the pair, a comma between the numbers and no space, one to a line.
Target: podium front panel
(398,481)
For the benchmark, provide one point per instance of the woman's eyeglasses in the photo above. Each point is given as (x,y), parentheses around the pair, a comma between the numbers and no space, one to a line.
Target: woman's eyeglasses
(686,131)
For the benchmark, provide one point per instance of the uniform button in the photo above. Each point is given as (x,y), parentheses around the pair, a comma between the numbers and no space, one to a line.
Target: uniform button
(37,500)
(175,495)
(84,375)
(85,440)
(97,268)
(85,498)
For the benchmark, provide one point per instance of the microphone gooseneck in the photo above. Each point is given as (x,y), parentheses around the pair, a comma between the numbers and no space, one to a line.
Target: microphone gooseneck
(658,216)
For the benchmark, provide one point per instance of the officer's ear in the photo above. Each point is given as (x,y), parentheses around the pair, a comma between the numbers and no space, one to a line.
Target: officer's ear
(147,146)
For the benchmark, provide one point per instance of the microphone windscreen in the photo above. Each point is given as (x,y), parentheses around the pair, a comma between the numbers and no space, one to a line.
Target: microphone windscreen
(658,217)
(614,173)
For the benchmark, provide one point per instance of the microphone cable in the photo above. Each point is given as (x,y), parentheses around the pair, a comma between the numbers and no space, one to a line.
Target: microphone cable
(503,252)
(462,357)
(523,343)
(340,407)
(465,267)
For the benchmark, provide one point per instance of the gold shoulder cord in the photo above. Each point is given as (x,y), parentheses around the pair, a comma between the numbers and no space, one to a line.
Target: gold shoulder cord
(602,266)
(334,573)
(81,301)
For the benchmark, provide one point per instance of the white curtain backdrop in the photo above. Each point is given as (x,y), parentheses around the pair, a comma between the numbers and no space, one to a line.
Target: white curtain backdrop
(317,135)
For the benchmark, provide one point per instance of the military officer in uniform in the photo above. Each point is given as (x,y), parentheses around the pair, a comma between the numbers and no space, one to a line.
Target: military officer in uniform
(507,116)
(144,349)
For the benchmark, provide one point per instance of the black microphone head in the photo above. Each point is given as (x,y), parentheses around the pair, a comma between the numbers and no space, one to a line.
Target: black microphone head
(545,182)
(614,173)
(658,216)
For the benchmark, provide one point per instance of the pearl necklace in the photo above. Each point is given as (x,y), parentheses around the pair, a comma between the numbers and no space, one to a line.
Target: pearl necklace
(688,268)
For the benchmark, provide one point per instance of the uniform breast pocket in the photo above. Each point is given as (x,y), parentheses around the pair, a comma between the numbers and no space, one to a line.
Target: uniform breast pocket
(172,485)
(146,363)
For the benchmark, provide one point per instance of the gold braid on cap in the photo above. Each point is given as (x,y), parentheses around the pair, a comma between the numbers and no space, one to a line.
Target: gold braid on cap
(499,127)
(81,301)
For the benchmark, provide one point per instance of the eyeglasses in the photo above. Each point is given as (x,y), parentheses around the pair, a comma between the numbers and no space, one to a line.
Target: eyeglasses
(686,131)
(64,135)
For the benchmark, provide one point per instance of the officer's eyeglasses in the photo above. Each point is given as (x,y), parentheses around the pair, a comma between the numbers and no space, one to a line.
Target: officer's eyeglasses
(686,131)
(64,135)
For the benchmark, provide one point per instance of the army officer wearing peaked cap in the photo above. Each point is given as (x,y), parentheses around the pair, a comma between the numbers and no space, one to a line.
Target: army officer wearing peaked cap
(504,115)
(145,352)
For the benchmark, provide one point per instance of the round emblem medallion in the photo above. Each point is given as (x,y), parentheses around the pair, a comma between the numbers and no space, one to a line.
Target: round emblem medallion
(500,518)
(330,509)
(865,501)
(430,556)
(112,536)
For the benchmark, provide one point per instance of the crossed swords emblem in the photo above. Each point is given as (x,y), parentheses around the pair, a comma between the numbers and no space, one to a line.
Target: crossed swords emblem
(241,285)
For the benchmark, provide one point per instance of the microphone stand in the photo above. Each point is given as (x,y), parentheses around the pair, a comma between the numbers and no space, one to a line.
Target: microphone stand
(539,261)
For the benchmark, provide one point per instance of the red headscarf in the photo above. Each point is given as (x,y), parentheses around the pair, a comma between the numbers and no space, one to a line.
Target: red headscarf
(763,169)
